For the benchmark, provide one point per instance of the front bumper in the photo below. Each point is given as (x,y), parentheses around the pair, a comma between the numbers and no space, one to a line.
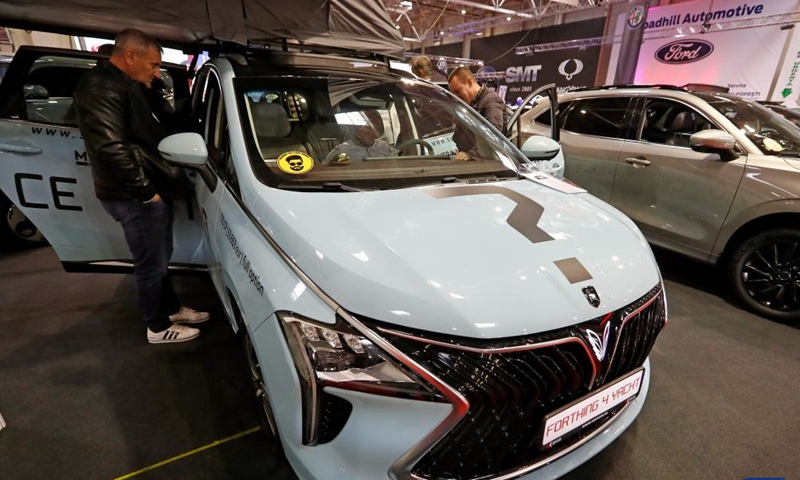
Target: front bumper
(382,429)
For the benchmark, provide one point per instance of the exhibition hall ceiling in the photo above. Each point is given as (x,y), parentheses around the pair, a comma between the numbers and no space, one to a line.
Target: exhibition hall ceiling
(418,19)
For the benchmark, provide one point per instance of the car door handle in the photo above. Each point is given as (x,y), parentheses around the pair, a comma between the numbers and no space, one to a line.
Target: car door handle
(20,146)
(638,162)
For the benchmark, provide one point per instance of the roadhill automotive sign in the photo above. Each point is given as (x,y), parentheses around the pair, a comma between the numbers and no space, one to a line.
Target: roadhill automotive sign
(684,51)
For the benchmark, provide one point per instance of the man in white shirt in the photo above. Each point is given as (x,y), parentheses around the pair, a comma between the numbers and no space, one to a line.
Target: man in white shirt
(365,143)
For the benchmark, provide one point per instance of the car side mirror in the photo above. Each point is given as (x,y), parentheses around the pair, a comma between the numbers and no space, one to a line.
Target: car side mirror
(189,150)
(35,92)
(538,147)
(715,141)
(546,153)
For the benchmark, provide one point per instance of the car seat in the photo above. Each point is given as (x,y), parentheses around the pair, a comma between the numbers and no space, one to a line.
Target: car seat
(272,128)
(321,138)
(681,127)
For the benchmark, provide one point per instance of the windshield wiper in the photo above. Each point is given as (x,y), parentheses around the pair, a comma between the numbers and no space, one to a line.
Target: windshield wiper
(476,179)
(789,153)
(327,187)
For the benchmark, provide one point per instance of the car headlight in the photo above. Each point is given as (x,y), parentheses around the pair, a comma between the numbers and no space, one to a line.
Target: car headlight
(339,356)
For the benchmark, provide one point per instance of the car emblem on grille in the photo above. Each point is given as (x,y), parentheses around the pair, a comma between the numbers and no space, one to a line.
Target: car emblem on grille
(591,296)
(599,342)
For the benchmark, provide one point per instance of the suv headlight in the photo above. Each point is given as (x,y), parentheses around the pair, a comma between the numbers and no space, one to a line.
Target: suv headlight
(339,356)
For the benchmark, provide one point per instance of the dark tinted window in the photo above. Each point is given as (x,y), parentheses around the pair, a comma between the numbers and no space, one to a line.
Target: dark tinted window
(671,123)
(544,117)
(603,117)
(48,88)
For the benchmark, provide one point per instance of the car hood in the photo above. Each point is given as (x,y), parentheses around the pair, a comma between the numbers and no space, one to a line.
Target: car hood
(447,259)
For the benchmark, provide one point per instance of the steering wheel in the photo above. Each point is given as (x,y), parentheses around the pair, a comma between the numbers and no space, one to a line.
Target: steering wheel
(414,141)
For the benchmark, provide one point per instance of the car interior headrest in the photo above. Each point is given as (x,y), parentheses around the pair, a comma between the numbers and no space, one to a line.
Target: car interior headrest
(270,120)
(682,122)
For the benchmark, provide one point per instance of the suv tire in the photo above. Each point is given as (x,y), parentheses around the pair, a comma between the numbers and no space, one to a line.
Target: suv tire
(16,229)
(765,273)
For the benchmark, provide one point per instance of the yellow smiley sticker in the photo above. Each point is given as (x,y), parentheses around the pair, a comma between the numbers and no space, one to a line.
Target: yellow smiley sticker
(295,163)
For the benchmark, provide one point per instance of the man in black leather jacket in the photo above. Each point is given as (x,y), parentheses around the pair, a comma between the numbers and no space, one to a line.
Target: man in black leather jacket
(131,180)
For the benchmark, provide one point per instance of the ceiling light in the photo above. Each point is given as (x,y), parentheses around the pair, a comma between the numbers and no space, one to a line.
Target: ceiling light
(463,11)
(441,32)
(397,27)
(508,18)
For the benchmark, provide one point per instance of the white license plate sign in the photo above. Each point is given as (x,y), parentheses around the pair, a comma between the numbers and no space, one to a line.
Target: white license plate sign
(584,410)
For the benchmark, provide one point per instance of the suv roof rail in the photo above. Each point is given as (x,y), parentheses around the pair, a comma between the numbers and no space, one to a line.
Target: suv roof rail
(627,85)
(705,87)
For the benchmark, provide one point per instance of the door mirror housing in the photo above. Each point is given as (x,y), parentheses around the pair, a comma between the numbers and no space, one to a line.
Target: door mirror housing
(538,147)
(35,92)
(546,153)
(187,149)
(715,141)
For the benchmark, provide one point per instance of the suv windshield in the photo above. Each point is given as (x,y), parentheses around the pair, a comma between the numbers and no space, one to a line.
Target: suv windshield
(336,133)
(772,134)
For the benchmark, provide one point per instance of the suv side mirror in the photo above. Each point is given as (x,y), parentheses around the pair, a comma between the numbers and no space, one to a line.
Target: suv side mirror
(715,141)
(546,153)
(189,150)
(35,92)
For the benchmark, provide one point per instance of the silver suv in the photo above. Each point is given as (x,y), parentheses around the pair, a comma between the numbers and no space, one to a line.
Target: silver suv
(706,174)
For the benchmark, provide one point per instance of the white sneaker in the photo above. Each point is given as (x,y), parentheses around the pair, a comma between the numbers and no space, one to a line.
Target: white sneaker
(189,315)
(174,334)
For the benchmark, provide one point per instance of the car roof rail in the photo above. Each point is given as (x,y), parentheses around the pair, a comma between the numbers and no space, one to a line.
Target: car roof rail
(629,85)
(705,87)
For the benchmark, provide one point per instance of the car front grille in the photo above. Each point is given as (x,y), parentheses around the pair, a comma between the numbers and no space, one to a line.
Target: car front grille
(511,385)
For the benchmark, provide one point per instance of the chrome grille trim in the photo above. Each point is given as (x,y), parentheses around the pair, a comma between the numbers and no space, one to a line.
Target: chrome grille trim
(570,336)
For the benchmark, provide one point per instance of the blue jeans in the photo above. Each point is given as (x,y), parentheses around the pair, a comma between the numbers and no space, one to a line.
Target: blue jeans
(148,231)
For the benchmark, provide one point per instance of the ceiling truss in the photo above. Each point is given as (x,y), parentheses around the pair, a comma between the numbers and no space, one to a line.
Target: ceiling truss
(421,26)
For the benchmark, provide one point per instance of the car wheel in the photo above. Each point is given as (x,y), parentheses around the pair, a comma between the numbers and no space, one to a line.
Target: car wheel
(765,272)
(15,228)
(265,416)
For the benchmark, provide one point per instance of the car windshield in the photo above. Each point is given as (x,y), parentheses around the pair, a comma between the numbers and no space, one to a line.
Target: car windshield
(342,134)
(772,134)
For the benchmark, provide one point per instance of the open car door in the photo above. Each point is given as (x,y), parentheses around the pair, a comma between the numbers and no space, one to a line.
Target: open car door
(44,168)
(543,151)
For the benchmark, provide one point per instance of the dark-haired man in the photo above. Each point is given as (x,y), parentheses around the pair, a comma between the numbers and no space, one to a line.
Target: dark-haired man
(131,180)
(488,103)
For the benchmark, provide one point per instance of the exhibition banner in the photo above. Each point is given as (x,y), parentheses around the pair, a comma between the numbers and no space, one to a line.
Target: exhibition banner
(787,86)
(703,48)
(632,34)
(520,74)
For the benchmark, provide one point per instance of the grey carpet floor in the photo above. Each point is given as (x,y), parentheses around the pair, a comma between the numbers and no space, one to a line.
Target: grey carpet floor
(85,397)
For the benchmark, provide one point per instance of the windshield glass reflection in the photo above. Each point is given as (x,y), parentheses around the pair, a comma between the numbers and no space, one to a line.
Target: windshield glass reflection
(772,134)
(328,132)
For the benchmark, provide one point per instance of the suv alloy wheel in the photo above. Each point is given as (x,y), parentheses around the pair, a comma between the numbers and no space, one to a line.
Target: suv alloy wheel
(765,271)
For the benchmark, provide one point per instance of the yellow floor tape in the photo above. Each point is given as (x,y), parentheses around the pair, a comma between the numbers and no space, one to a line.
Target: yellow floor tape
(191,452)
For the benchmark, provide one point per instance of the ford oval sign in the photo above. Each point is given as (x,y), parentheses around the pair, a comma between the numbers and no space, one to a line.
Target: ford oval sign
(684,51)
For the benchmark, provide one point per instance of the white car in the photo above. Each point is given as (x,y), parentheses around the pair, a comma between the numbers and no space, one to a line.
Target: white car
(405,316)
